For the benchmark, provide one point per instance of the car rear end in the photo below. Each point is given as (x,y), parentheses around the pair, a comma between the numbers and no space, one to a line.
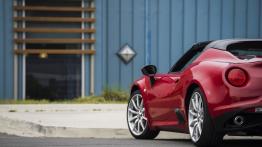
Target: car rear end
(241,114)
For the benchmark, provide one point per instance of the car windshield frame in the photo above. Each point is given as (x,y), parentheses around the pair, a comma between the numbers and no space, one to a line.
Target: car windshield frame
(189,57)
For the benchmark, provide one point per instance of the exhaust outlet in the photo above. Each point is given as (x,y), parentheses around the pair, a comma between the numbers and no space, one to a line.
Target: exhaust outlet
(239,120)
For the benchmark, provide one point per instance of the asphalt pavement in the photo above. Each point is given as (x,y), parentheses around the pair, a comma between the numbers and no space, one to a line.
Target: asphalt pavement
(85,126)
(14,141)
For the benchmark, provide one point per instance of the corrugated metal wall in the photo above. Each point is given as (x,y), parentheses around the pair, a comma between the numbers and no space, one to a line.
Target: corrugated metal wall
(118,22)
(175,25)
(6,49)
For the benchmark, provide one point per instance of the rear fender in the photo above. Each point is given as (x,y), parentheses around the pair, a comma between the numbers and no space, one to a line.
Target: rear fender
(211,83)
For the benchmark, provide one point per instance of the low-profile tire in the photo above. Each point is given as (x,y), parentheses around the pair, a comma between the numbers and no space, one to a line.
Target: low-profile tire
(201,128)
(136,118)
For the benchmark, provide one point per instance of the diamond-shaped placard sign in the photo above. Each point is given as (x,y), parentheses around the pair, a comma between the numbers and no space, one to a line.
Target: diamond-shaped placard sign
(126,53)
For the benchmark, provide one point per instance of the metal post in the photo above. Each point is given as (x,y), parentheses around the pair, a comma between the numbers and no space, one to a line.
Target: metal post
(92,58)
(15,59)
(83,56)
(147,32)
(24,56)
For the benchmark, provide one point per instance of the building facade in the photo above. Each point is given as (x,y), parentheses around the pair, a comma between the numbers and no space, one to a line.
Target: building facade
(68,48)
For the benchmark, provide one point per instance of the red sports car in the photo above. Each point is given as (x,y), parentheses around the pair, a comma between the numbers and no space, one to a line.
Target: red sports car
(213,90)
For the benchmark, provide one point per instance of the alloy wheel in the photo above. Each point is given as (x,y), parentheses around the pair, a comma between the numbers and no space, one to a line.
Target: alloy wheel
(136,118)
(195,116)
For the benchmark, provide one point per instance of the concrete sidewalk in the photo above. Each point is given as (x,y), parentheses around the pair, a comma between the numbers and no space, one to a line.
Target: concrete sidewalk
(68,120)
(67,115)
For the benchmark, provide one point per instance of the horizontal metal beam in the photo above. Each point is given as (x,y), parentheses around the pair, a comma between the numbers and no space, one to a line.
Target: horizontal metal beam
(56,9)
(54,19)
(54,40)
(54,30)
(55,51)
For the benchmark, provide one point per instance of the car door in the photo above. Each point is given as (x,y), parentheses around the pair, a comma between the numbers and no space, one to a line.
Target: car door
(165,95)
(160,97)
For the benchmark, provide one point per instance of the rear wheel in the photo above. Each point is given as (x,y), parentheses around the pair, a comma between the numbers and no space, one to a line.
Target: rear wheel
(137,120)
(200,124)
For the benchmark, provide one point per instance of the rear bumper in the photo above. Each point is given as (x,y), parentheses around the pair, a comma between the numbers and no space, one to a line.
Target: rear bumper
(252,125)
(252,122)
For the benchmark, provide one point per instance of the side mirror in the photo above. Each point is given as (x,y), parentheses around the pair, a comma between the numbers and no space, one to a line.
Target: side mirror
(150,71)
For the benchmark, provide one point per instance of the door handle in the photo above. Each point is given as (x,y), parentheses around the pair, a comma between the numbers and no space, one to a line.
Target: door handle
(176,79)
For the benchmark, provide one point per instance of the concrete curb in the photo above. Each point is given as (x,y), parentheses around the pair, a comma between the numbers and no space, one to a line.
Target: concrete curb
(82,121)
(29,129)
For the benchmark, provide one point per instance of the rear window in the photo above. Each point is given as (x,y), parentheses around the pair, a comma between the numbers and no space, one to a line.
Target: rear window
(246,50)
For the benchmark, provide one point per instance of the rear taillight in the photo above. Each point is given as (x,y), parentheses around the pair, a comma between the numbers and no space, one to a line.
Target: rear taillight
(237,77)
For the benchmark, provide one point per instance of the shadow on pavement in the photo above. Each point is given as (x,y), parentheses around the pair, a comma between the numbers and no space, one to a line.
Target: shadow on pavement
(226,143)
(242,143)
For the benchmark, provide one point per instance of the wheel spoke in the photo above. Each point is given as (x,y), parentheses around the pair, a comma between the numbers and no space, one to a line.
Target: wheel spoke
(193,123)
(200,106)
(141,104)
(135,124)
(199,128)
(194,131)
(134,104)
(144,118)
(201,120)
(193,104)
(138,126)
(133,118)
(192,113)
(137,102)
(132,111)
(195,126)
(197,103)
(142,125)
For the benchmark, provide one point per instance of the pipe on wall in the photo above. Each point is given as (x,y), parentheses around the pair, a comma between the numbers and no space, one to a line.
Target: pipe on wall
(148,37)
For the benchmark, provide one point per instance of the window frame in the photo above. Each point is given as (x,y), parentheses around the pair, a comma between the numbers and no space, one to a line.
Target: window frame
(87,39)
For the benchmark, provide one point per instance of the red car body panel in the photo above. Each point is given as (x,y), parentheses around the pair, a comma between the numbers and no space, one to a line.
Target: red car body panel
(207,72)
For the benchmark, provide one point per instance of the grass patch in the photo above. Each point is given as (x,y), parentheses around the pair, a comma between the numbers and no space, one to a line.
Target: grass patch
(28,101)
(109,96)
(115,95)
